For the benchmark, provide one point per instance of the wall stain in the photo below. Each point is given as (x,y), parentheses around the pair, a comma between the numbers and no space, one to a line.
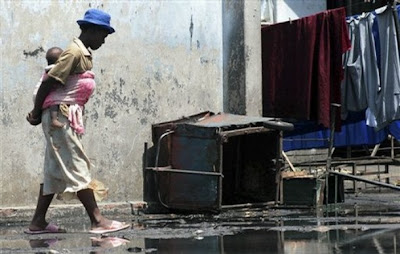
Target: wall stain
(135,103)
(6,119)
(150,104)
(109,111)
(143,121)
(121,82)
(148,82)
(176,82)
(157,76)
(33,53)
(204,60)
(116,98)
(191,31)
(94,116)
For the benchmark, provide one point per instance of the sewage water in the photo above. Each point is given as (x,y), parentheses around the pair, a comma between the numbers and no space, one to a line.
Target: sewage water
(208,235)
(256,230)
(242,241)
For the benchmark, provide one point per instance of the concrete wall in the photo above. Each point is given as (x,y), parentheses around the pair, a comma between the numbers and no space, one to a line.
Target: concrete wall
(166,60)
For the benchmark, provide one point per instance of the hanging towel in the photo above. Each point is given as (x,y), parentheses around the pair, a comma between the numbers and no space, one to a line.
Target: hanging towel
(302,66)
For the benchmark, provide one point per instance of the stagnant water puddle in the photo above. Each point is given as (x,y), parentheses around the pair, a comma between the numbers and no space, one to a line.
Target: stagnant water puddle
(244,231)
(244,241)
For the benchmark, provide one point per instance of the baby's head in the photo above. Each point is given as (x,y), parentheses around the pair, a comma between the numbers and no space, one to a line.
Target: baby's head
(53,54)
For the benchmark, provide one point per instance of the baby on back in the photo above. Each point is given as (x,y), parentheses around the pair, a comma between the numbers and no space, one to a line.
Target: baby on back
(52,56)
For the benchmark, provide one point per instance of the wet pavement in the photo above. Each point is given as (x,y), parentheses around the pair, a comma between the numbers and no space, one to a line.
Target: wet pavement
(368,223)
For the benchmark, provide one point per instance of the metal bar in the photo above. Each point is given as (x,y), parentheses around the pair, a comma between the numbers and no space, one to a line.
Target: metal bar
(391,146)
(249,130)
(354,182)
(159,144)
(306,139)
(278,169)
(288,161)
(330,149)
(357,178)
(172,170)
(336,194)
(248,205)
(355,161)
(379,176)
(221,169)
(375,150)
(145,155)
(238,165)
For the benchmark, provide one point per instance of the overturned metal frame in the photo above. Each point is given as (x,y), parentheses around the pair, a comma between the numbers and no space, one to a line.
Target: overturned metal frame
(204,135)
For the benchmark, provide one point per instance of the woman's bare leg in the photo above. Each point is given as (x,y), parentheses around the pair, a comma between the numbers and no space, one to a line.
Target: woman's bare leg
(39,218)
(86,196)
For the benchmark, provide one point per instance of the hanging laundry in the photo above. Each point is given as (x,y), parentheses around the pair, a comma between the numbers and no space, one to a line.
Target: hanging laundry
(362,65)
(388,98)
(361,83)
(267,11)
(302,66)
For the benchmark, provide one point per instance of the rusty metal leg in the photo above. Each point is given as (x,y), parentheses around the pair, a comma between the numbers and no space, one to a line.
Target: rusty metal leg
(221,171)
(278,175)
(354,181)
(331,141)
(238,168)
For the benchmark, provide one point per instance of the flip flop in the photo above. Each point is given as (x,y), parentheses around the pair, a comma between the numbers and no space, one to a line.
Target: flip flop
(50,228)
(115,226)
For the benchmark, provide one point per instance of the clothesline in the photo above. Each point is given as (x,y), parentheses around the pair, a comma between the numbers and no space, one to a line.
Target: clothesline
(370,3)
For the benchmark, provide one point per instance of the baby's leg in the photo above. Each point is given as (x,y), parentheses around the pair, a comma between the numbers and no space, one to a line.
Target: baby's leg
(54,117)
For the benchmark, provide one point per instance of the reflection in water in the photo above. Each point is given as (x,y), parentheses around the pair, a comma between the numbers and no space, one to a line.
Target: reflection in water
(106,242)
(42,243)
(266,241)
(224,235)
(39,244)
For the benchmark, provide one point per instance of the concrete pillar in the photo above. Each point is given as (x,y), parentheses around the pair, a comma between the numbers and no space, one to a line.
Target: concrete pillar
(252,51)
(234,78)
(241,57)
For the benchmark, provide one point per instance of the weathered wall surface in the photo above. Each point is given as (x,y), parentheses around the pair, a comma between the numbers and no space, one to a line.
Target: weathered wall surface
(168,59)
(252,53)
(163,62)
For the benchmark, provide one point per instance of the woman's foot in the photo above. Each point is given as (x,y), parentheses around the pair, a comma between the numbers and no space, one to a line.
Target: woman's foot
(49,228)
(107,226)
(38,225)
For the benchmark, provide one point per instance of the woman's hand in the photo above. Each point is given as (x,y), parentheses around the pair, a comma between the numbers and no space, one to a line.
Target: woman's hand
(34,119)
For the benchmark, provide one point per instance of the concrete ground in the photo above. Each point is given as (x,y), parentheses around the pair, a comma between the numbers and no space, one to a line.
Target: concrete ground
(365,223)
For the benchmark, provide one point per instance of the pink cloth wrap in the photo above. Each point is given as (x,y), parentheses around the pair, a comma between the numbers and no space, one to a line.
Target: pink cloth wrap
(75,93)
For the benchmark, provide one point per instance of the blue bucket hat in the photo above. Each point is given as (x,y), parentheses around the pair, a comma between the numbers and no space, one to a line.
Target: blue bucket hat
(97,17)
